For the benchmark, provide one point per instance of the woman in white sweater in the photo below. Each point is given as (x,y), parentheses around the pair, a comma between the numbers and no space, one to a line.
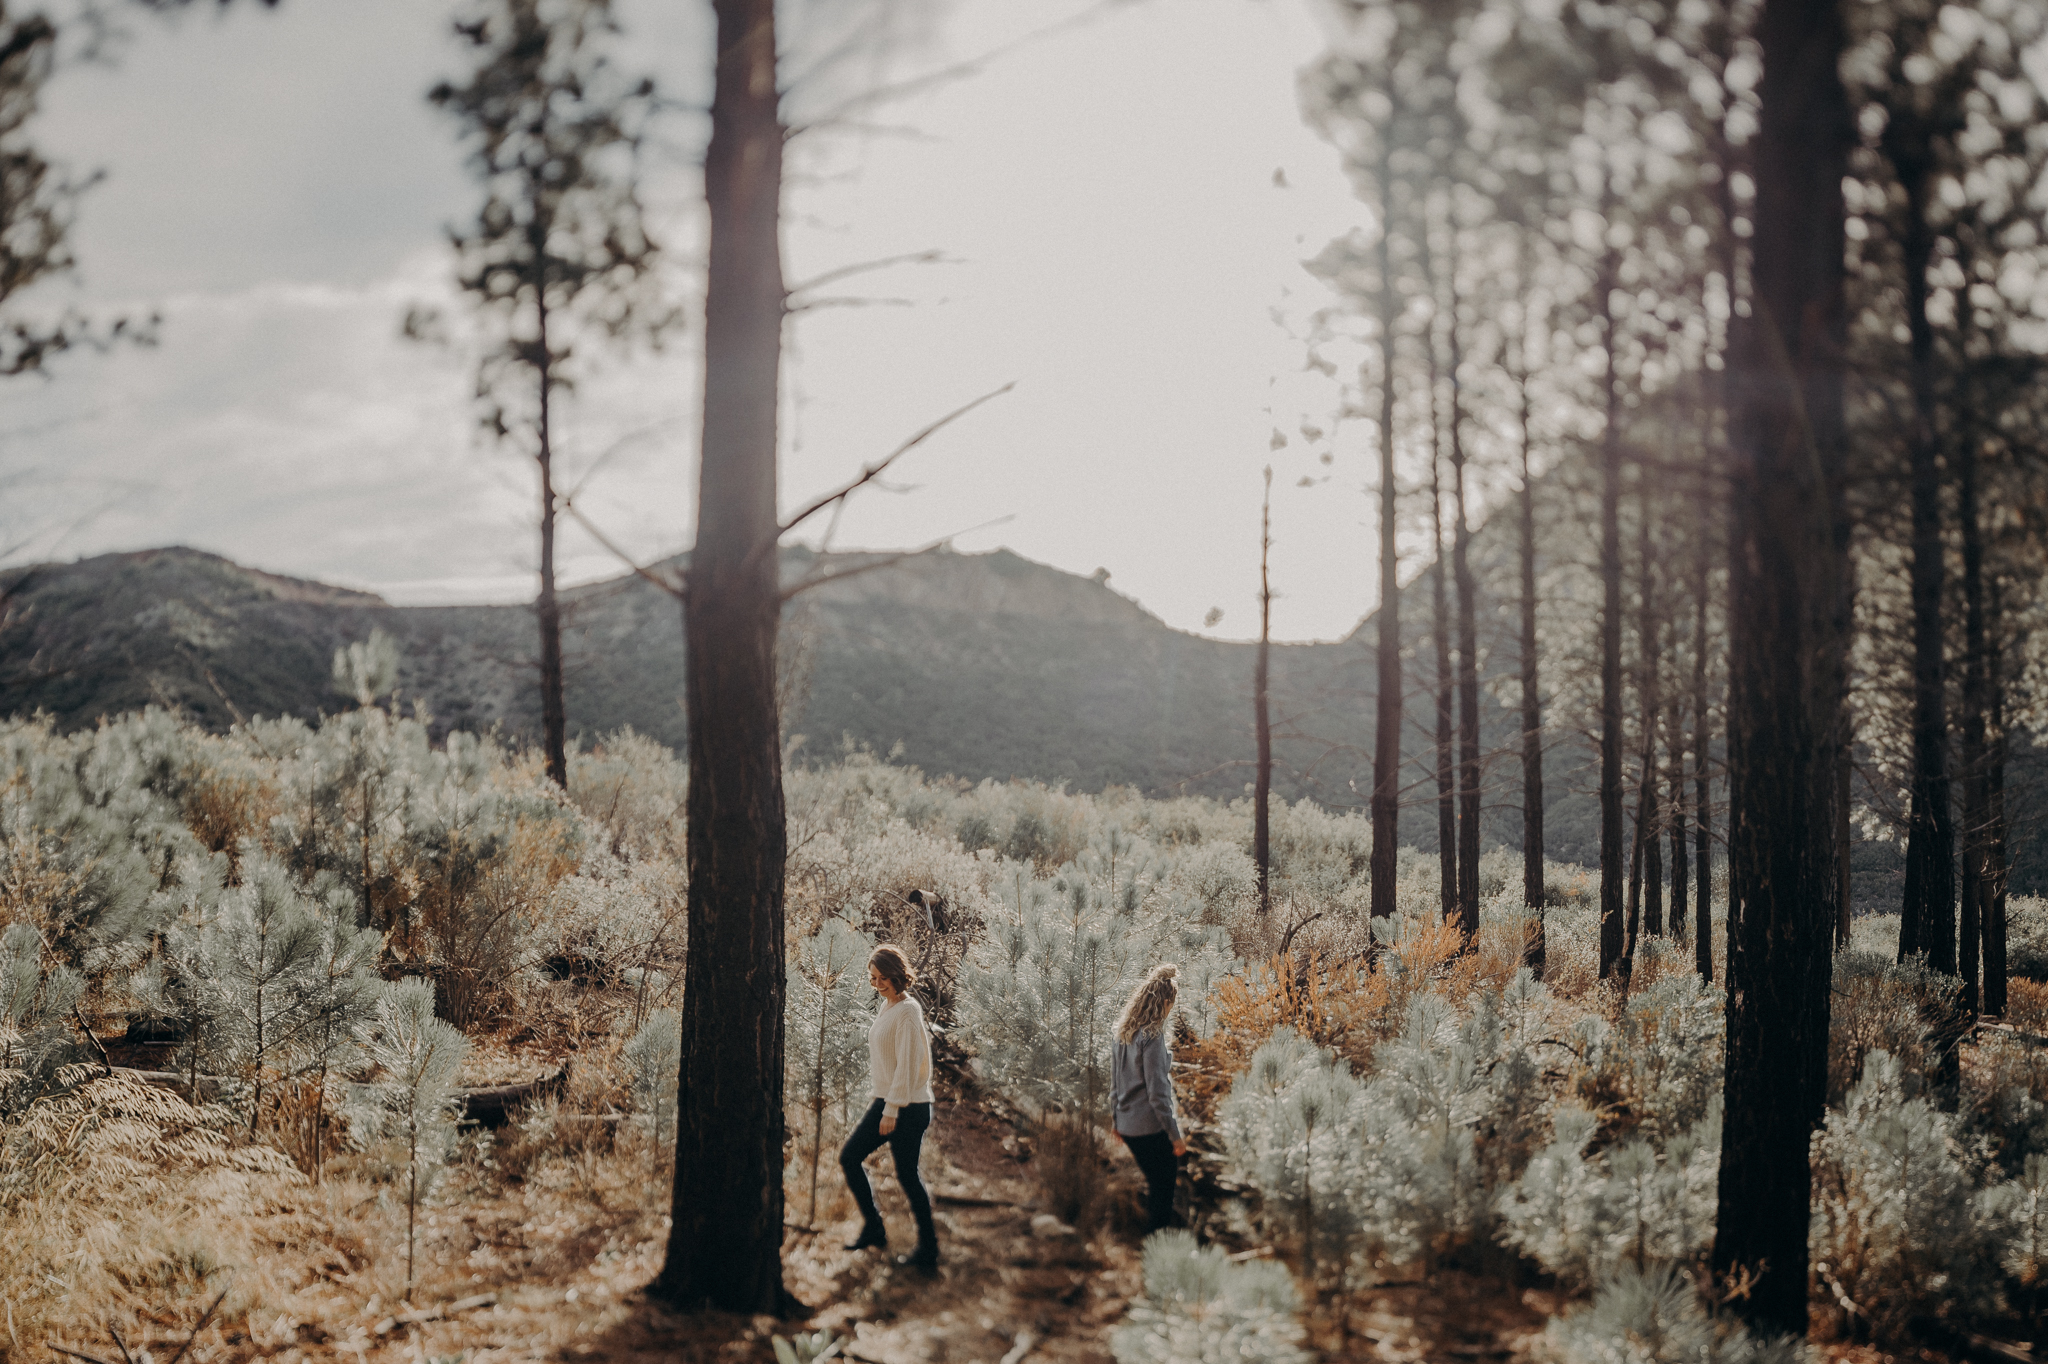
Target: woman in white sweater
(900,1076)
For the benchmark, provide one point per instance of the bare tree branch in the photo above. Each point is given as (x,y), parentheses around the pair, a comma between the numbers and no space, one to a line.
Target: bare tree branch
(886,561)
(931,256)
(957,71)
(847,301)
(680,591)
(869,473)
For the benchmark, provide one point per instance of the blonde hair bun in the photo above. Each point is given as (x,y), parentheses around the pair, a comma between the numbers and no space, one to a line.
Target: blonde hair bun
(1150,1003)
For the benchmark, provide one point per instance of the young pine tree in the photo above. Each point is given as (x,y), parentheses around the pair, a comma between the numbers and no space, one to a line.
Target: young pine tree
(1200,1308)
(414,1101)
(272,982)
(656,1056)
(559,252)
(827,1028)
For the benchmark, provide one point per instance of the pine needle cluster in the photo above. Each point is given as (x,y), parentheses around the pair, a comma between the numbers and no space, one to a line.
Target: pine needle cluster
(1200,1308)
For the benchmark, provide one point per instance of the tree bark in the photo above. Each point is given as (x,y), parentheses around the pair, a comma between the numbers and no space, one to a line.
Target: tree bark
(724,1247)
(1927,920)
(1262,788)
(1386,756)
(1613,943)
(1533,894)
(1787,631)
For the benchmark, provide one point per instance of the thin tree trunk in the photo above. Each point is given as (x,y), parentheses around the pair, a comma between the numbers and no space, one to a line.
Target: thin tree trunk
(1994,812)
(1649,637)
(1674,779)
(725,1238)
(554,716)
(1702,784)
(1787,555)
(1927,917)
(1468,637)
(1262,789)
(1533,894)
(1613,943)
(1976,820)
(1446,679)
(1386,756)
(1845,909)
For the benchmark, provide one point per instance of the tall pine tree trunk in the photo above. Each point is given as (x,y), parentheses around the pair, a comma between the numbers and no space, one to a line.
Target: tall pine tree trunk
(1927,917)
(554,715)
(725,1240)
(1440,616)
(1386,754)
(1994,810)
(1613,941)
(1702,783)
(1446,682)
(1533,895)
(1262,787)
(1468,639)
(1976,814)
(1649,633)
(1674,781)
(1787,633)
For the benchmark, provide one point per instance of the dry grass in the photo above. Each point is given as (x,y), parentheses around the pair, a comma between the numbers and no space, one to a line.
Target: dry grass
(567,1248)
(2026,1005)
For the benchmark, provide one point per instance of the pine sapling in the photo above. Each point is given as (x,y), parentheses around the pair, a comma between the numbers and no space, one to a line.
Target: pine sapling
(656,1055)
(827,1039)
(1199,1308)
(413,1099)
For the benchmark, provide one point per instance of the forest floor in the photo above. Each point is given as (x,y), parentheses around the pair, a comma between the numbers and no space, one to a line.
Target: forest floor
(565,1255)
(564,1243)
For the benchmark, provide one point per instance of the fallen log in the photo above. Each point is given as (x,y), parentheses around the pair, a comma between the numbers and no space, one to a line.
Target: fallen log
(2032,1039)
(493,1105)
(210,1086)
(438,1312)
(487,1105)
(1970,1345)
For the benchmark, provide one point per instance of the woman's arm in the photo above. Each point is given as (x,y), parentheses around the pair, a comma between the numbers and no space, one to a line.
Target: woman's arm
(1157,1064)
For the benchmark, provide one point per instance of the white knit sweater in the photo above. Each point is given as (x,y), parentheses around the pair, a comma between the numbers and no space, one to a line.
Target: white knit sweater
(900,1056)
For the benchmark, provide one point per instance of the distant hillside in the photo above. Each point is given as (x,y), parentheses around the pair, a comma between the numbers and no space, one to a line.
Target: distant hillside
(978,666)
(971,665)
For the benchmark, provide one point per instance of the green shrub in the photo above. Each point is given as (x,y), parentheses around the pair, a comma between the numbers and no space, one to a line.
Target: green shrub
(1898,1229)
(1656,1317)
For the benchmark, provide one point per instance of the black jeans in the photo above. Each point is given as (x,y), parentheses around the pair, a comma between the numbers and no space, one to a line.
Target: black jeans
(906,1143)
(1154,1153)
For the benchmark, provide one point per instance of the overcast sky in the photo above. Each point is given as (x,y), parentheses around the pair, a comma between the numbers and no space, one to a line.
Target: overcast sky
(1116,240)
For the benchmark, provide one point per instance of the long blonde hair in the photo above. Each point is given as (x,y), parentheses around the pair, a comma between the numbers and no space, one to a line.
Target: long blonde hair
(1149,1004)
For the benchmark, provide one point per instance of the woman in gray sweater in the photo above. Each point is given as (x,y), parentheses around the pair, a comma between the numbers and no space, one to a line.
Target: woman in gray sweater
(1141,1083)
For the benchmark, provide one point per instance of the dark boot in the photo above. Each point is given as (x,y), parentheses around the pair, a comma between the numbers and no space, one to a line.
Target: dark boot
(925,1258)
(871,1234)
